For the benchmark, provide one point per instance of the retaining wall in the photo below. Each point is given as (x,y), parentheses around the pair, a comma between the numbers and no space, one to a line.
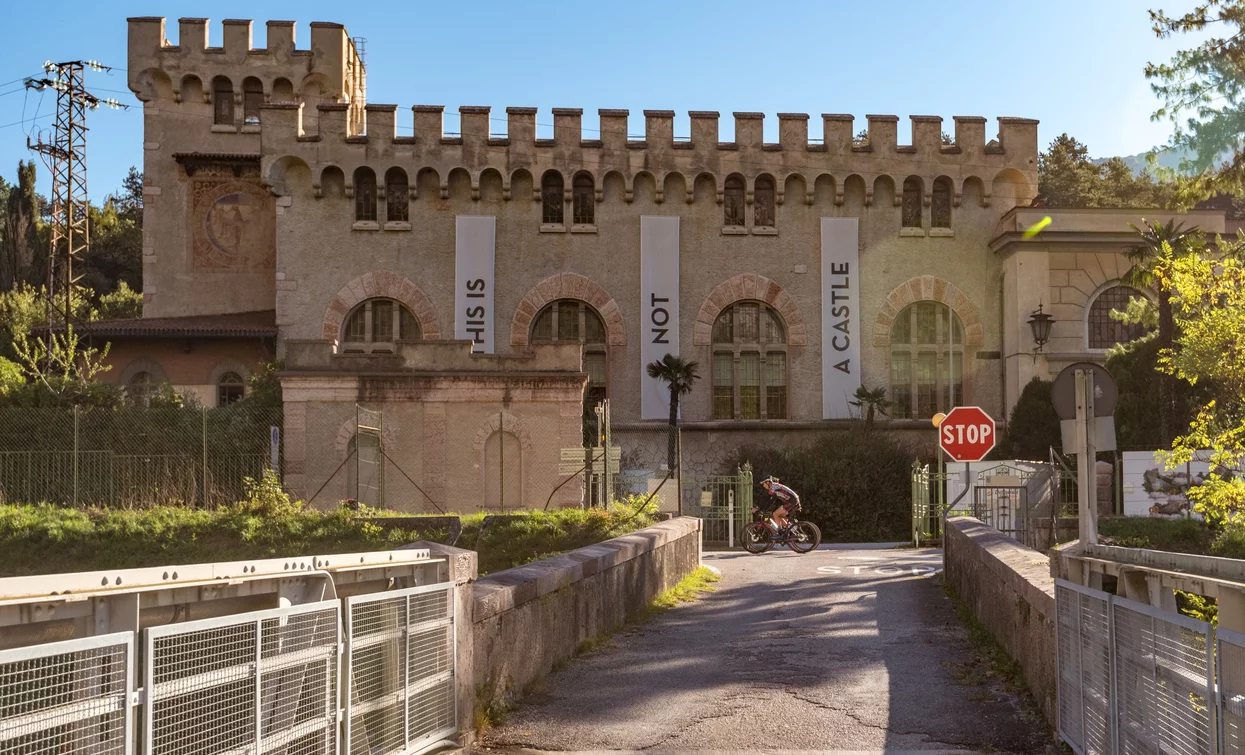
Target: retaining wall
(527,618)
(1010,590)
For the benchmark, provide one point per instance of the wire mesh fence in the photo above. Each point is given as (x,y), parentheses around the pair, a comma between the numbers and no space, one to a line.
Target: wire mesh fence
(131,456)
(1134,678)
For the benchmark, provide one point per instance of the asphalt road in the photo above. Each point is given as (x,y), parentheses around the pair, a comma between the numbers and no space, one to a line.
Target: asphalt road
(841,650)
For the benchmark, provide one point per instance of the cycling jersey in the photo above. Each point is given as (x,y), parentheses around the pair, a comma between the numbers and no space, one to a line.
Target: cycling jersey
(784,495)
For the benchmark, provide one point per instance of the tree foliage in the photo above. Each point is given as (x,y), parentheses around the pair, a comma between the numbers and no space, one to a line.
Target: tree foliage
(1202,89)
(1033,428)
(1067,177)
(1208,306)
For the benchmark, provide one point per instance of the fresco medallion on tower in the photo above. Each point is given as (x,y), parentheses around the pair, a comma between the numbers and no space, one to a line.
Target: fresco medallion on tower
(233,226)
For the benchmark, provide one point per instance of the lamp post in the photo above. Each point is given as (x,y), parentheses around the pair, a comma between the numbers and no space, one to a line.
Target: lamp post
(1040,323)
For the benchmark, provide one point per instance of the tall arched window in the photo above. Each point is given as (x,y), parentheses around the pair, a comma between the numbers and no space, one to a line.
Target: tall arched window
(140,388)
(229,389)
(927,361)
(733,201)
(574,321)
(940,203)
(364,195)
(912,202)
(749,363)
(583,199)
(551,186)
(763,202)
(1105,332)
(252,98)
(376,324)
(222,101)
(397,196)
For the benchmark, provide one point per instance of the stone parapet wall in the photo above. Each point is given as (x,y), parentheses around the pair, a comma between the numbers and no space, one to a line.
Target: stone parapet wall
(1009,589)
(528,618)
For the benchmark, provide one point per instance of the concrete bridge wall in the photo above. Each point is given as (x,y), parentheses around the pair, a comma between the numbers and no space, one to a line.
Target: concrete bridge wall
(1010,590)
(527,618)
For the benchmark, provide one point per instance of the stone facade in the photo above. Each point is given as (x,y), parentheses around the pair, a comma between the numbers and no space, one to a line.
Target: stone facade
(365,205)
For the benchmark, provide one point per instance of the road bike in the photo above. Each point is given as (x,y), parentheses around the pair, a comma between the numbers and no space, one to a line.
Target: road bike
(762,534)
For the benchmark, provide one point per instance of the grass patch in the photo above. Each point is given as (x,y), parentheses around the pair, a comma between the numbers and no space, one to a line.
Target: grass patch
(991,660)
(700,581)
(46,539)
(1175,535)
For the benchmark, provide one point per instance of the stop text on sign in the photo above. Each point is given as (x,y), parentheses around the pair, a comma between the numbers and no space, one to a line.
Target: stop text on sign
(966,434)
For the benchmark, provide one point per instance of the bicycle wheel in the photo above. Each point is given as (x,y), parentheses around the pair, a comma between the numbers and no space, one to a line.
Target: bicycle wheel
(804,537)
(756,538)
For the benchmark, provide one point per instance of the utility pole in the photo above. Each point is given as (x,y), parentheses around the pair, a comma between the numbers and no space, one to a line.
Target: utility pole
(65,156)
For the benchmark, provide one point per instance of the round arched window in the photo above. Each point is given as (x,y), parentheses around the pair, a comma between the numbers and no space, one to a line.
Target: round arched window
(574,321)
(140,388)
(1104,330)
(927,361)
(376,324)
(230,389)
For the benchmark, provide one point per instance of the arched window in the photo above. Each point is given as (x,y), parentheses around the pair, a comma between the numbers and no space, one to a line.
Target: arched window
(222,101)
(283,91)
(763,202)
(376,324)
(927,361)
(252,98)
(229,389)
(551,198)
(1105,332)
(733,201)
(574,321)
(940,203)
(583,196)
(140,388)
(397,196)
(912,202)
(364,195)
(749,363)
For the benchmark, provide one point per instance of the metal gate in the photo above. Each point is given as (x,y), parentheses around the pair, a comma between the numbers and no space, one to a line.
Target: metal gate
(723,503)
(257,682)
(1004,508)
(68,697)
(400,653)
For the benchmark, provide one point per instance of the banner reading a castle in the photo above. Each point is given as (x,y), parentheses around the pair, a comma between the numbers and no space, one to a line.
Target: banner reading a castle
(233,225)
(659,307)
(473,280)
(840,315)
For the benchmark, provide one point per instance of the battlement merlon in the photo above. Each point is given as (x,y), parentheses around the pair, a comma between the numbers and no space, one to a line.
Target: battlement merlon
(331,62)
(1016,144)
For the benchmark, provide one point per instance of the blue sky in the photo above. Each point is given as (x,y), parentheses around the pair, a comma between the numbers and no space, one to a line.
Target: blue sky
(1076,65)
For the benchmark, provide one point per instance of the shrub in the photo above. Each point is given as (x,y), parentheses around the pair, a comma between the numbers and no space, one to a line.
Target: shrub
(1033,427)
(1134,368)
(854,484)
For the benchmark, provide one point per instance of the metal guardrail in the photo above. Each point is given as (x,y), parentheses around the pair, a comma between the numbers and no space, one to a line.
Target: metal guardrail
(1138,679)
(400,651)
(68,697)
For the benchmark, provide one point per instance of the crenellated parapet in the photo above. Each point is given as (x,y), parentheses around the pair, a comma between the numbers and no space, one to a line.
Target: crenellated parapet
(798,161)
(194,73)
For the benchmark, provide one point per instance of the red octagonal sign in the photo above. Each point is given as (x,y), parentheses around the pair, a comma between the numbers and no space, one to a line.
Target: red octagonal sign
(966,433)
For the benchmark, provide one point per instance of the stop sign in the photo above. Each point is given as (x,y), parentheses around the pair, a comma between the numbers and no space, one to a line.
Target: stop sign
(966,433)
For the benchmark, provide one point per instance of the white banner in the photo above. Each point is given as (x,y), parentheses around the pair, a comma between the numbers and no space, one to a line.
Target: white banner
(473,281)
(659,308)
(840,315)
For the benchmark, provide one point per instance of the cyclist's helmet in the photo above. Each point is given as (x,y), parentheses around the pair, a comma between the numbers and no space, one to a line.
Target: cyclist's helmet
(771,479)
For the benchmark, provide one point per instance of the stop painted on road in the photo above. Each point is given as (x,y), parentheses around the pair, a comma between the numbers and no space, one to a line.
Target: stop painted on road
(890,571)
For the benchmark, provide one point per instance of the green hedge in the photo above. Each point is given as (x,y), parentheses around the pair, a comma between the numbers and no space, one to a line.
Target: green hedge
(856,484)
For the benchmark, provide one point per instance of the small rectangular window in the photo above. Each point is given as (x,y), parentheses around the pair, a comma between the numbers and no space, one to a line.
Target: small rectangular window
(723,387)
(749,322)
(382,321)
(750,386)
(594,365)
(927,323)
(926,384)
(901,385)
(776,385)
(568,321)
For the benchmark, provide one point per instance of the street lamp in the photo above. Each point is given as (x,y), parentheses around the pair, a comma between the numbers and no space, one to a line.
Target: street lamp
(1039,323)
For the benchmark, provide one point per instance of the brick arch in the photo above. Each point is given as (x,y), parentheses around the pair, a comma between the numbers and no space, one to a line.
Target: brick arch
(927,288)
(567,286)
(505,422)
(381,283)
(349,428)
(749,286)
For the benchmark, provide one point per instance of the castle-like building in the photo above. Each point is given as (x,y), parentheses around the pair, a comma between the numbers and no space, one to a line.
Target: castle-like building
(284,214)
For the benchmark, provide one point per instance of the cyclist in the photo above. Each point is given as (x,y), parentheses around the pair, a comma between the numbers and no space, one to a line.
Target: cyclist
(784,499)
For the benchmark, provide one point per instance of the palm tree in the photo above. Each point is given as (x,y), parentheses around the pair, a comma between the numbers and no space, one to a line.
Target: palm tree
(679,376)
(870,401)
(1157,240)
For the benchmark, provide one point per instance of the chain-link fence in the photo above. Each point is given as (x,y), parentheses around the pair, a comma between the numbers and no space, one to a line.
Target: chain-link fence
(131,456)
